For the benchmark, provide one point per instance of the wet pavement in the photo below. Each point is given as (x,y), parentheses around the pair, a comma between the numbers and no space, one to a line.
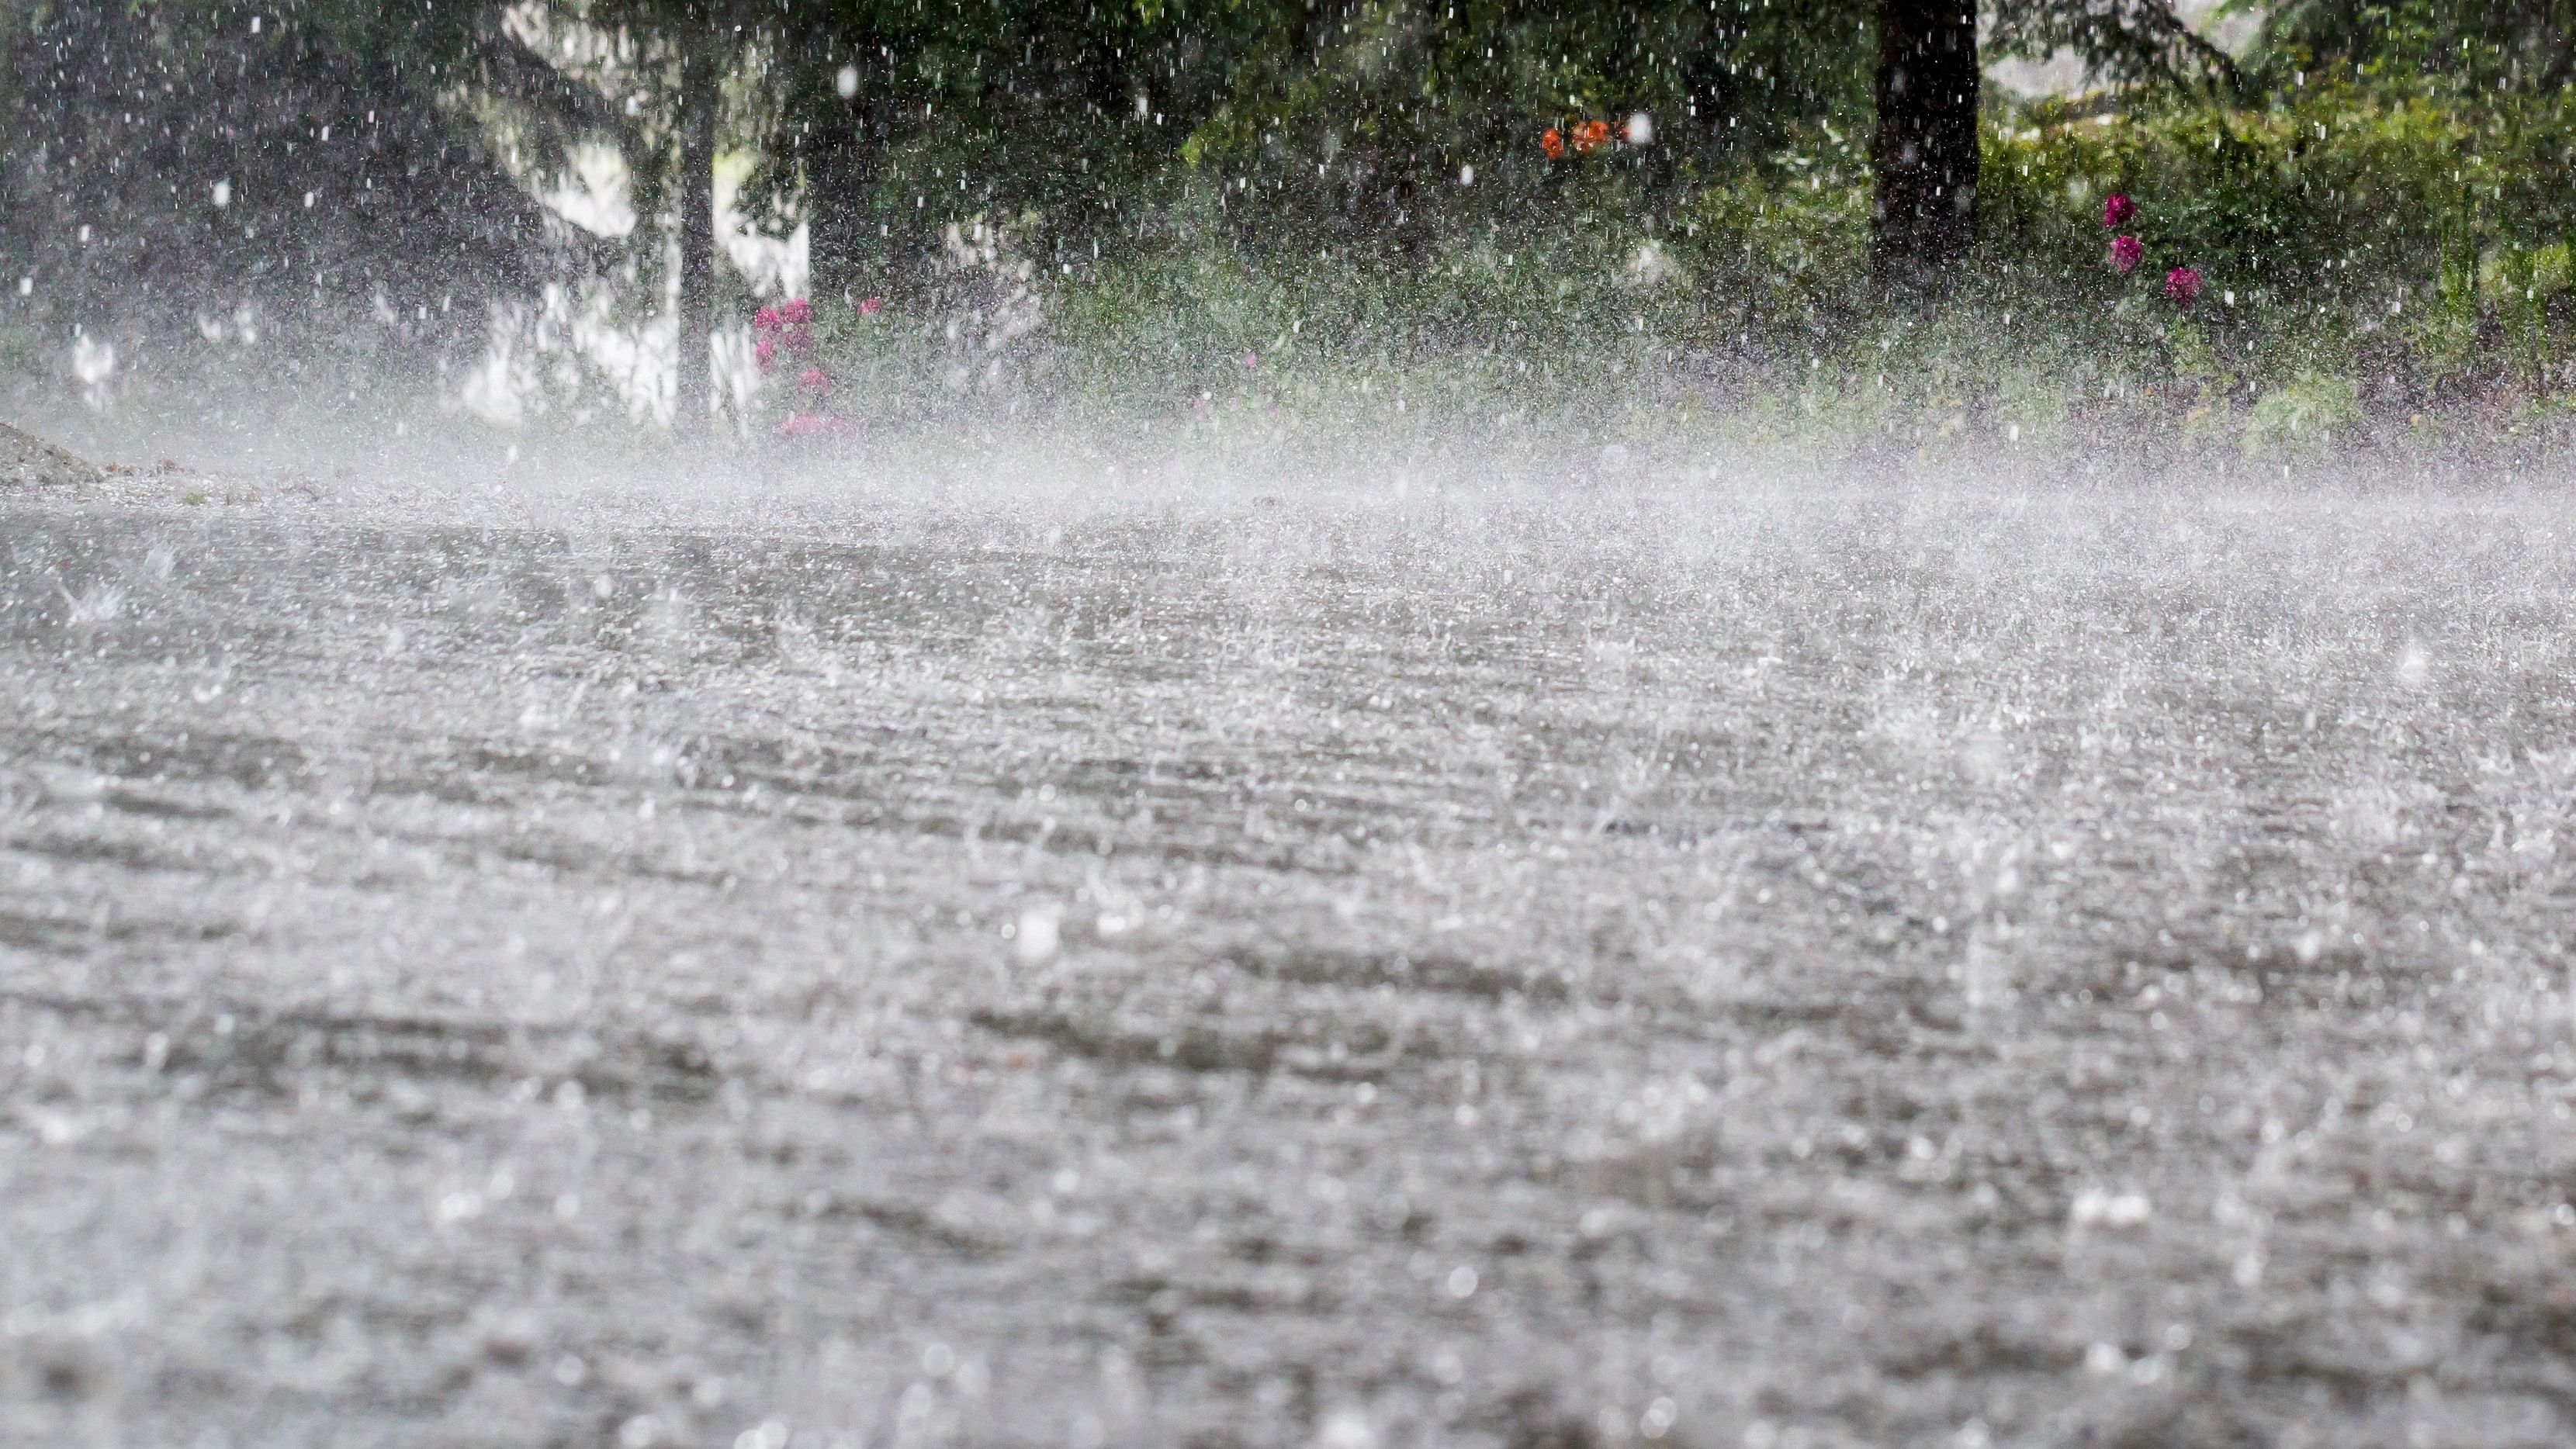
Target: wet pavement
(1729,965)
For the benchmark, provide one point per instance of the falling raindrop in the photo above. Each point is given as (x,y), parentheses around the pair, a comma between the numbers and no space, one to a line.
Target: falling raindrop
(1036,935)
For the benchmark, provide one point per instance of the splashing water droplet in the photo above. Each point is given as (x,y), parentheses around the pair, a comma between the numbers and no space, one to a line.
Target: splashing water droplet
(1036,936)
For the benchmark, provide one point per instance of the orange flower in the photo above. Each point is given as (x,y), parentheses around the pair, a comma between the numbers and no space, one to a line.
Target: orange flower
(1551,145)
(1591,134)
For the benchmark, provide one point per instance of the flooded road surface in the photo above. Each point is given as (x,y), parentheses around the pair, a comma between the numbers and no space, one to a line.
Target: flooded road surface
(1721,966)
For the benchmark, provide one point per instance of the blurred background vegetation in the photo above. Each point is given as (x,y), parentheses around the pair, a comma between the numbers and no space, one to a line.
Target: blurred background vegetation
(553,212)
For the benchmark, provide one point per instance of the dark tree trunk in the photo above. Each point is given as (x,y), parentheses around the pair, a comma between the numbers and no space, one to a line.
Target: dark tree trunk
(697,199)
(839,156)
(1925,152)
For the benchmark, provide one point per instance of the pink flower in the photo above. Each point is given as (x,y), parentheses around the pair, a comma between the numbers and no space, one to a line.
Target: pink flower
(807,425)
(2182,286)
(812,379)
(764,352)
(797,312)
(765,320)
(2126,253)
(872,306)
(2118,210)
(1251,360)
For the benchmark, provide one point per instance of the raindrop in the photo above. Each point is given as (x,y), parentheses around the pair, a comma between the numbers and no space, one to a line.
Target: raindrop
(1347,1429)
(1036,936)
(2094,1208)
(93,361)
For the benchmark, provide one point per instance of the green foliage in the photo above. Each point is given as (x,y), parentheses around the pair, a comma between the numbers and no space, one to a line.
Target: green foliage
(2474,47)
(1783,247)
(2128,40)
(2370,229)
(1389,127)
(1378,110)
(2354,228)
(963,108)
(2334,193)
(2301,415)
(1571,289)
(2369,251)
(1353,189)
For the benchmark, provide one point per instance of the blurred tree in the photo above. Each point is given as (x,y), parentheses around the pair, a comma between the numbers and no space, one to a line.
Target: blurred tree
(1387,124)
(2513,45)
(2117,40)
(1392,123)
(1362,127)
(247,172)
(700,44)
(891,120)
(1925,148)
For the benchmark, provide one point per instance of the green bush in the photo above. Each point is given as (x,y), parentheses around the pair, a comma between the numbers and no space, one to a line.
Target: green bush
(2301,415)
(2365,249)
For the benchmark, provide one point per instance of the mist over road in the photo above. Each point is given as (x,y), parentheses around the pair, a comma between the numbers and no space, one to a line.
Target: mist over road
(1726,965)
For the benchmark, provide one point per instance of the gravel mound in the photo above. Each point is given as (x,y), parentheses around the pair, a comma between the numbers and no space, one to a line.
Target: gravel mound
(27,459)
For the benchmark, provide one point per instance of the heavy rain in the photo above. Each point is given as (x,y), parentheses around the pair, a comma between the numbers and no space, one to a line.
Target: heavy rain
(1237,724)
